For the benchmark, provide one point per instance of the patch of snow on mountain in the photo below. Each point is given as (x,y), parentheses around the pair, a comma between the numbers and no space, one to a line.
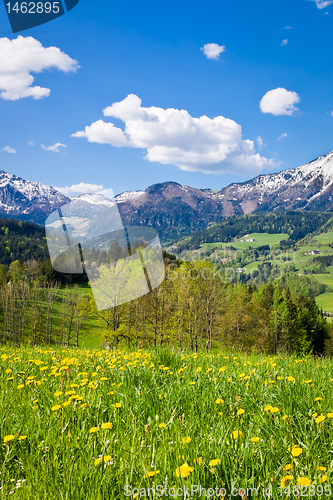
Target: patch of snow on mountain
(271,183)
(127,196)
(94,199)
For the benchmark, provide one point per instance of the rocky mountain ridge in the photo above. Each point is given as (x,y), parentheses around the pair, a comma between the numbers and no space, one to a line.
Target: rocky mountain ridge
(175,210)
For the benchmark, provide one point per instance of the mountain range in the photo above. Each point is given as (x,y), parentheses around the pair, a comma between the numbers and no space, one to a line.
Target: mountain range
(175,210)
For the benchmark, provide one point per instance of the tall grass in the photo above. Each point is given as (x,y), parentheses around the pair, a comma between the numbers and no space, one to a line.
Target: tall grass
(174,417)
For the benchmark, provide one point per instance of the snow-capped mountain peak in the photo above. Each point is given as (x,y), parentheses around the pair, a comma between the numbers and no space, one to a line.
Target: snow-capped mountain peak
(127,196)
(174,209)
(26,200)
(94,199)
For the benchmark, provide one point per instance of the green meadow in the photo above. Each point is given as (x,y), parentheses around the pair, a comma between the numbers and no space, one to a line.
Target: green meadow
(95,424)
(297,256)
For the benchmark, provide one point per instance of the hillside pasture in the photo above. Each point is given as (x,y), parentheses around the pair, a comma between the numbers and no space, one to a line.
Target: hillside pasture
(86,424)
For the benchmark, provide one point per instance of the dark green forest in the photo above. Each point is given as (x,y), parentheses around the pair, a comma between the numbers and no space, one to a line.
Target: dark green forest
(21,241)
(294,223)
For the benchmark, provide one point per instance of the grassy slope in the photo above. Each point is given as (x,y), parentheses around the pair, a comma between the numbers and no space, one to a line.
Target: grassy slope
(210,407)
(261,239)
(296,255)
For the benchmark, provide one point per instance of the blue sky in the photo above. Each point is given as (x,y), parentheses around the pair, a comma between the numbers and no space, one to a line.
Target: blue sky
(155,52)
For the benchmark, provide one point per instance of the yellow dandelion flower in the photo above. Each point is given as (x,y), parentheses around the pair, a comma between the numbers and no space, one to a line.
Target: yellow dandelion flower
(97,461)
(318,399)
(117,405)
(320,467)
(320,419)
(274,409)
(151,473)
(198,460)
(58,393)
(20,386)
(303,481)
(315,415)
(268,407)
(296,451)
(219,401)
(162,425)
(307,381)
(323,479)
(184,470)
(240,411)
(21,438)
(186,440)
(66,403)
(93,429)
(255,439)
(192,383)
(215,462)
(288,467)
(330,415)
(222,369)
(107,425)
(236,434)
(83,405)
(285,479)
(290,379)
(56,407)
(8,438)
(229,379)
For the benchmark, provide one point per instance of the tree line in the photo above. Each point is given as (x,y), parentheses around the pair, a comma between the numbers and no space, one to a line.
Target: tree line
(297,224)
(193,308)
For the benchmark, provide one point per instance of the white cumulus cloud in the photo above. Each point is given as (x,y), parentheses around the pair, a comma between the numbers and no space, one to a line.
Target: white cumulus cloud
(31,143)
(213,50)
(282,136)
(23,56)
(8,149)
(284,42)
(322,4)
(82,187)
(173,136)
(54,148)
(279,102)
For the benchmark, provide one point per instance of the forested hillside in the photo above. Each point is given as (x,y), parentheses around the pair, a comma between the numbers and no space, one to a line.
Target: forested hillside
(21,241)
(193,308)
(295,224)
